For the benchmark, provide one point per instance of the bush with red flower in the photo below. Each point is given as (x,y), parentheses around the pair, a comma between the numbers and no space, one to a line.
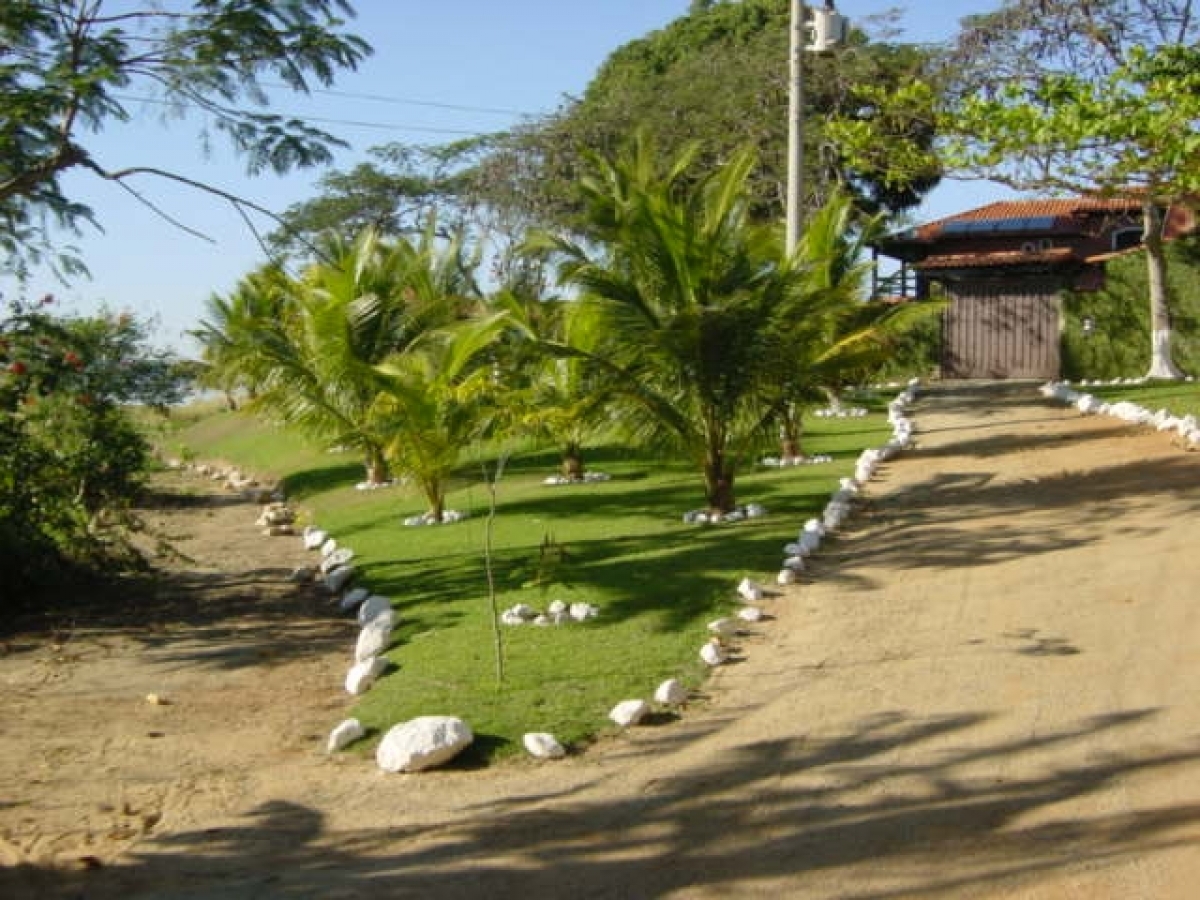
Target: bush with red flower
(71,458)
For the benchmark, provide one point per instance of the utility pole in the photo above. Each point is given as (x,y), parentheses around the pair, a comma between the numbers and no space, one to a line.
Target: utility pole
(795,179)
(828,30)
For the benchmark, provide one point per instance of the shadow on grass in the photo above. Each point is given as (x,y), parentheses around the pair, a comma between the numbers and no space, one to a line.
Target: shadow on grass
(306,483)
(894,806)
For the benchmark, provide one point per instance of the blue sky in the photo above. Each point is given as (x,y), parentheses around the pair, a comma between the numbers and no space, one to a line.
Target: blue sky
(446,69)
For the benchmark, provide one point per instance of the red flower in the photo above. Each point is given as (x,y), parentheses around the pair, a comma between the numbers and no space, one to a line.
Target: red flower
(17,368)
(72,359)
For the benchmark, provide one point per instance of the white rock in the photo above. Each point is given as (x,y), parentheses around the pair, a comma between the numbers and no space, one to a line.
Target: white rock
(671,693)
(629,712)
(786,576)
(371,607)
(329,546)
(338,578)
(344,734)
(423,743)
(581,612)
(353,598)
(750,614)
(723,627)
(373,639)
(712,653)
(543,746)
(557,607)
(524,611)
(750,591)
(385,618)
(363,674)
(508,617)
(339,557)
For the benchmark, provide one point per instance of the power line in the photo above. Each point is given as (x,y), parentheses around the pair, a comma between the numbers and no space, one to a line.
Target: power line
(383,126)
(408,101)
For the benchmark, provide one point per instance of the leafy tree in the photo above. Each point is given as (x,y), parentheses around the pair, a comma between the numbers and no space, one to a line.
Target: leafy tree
(1097,97)
(395,193)
(69,67)
(70,457)
(717,76)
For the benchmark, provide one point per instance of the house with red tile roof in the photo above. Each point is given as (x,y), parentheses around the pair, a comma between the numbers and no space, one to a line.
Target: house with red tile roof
(1003,266)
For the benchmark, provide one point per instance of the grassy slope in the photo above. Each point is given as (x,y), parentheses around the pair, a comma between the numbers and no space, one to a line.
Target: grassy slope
(620,545)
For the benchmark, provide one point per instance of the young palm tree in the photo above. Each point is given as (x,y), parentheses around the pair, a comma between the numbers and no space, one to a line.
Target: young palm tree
(831,338)
(433,401)
(675,309)
(693,321)
(229,332)
(315,361)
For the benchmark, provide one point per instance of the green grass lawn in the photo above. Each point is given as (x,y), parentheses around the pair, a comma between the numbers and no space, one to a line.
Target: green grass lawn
(620,545)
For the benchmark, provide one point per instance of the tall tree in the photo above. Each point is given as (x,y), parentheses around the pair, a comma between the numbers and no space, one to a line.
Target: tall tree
(719,76)
(69,68)
(1097,96)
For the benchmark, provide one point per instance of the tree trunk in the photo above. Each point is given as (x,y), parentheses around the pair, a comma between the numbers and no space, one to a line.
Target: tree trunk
(437,500)
(718,484)
(1161,363)
(789,434)
(572,461)
(376,465)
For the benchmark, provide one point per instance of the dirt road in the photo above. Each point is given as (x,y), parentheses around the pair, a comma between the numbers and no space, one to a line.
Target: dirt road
(987,690)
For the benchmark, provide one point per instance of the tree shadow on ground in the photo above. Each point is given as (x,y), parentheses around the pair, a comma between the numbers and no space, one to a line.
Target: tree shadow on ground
(934,523)
(896,806)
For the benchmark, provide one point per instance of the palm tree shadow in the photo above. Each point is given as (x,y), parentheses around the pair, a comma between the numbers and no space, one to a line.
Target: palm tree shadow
(908,799)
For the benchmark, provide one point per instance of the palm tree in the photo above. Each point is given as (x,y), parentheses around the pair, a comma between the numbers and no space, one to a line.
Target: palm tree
(433,401)
(549,395)
(831,338)
(228,333)
(315,361)
(675,310)
(690,317)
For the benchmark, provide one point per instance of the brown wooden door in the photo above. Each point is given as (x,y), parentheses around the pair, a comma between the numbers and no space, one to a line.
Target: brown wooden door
(993,332)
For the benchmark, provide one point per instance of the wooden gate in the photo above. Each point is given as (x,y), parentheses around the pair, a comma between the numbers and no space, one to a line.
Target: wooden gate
(994,332)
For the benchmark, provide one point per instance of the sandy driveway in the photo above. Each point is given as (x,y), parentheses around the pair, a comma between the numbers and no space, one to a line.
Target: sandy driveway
(988,690)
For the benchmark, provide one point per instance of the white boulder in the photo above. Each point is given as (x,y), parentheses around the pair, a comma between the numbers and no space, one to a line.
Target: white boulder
(713,653)
(750,614)
(314,538)
(337,579)
(373,606)
(581,612)
(786,576)
(344,734)
(328,546)
(543,746)
(339,557)
(363,674)
(724,627)
(423,743)
(373,639)
(353,598)
(750,591)
(671,693)
(629,712)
